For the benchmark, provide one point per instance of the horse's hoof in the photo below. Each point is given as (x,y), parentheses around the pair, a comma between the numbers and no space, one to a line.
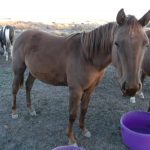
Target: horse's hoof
(14,116)
(73,144)
(86,133)
(141,95)
(32,113)
(132,100)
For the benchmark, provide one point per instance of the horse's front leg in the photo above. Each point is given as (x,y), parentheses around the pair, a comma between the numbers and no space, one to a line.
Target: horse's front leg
(74,102)
(84,107)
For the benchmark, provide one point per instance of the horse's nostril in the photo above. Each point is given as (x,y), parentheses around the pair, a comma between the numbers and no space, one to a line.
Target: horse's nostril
(129,90)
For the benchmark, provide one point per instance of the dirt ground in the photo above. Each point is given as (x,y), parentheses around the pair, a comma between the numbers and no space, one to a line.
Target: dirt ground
(48,129)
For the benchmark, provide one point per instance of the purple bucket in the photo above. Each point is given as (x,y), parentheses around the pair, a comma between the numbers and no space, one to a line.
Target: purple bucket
(67,148)
(135,130)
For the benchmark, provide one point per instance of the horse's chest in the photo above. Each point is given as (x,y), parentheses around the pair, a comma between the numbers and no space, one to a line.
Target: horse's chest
(94,79)
(101,75)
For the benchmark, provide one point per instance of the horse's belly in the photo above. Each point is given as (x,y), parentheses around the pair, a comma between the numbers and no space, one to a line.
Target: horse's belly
(47,72)
(51,78)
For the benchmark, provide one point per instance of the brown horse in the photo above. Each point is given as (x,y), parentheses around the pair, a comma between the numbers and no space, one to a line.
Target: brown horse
(79,61)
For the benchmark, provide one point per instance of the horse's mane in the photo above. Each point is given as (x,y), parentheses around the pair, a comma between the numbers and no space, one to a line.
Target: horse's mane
(99,39)
(73,35)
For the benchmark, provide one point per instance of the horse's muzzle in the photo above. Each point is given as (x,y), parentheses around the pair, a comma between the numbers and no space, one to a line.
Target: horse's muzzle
(129,90)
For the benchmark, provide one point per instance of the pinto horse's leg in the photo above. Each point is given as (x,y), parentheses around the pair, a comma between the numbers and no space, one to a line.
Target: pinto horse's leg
(9,51)
(6,52)
(84,106)
(17,83)
(74,102)
(29,84)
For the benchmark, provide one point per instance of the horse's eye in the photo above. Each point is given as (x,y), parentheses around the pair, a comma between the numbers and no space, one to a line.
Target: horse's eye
(117,44)
(147,45)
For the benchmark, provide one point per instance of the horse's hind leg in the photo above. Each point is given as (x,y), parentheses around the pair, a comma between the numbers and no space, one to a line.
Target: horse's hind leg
(29,84)
(74,102)
(17,83)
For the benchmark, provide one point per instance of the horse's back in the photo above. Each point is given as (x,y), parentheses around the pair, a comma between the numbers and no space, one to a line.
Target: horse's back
(34,39)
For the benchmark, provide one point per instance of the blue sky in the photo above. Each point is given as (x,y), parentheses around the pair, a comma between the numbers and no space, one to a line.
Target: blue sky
(45,10)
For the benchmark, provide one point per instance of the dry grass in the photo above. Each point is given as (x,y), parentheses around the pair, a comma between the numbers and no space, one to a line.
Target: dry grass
(73,26)
(53,26)
(24,25)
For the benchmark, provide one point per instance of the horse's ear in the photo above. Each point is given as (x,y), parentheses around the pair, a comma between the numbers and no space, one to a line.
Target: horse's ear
(145,19)
(121,17)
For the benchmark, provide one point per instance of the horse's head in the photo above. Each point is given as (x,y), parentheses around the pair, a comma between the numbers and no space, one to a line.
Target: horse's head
(129,46)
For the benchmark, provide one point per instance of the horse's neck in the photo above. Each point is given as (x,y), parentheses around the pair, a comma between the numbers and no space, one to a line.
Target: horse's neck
(98,45)
(101,61)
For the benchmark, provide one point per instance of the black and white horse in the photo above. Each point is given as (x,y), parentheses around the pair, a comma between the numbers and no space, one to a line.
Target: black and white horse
(6,40)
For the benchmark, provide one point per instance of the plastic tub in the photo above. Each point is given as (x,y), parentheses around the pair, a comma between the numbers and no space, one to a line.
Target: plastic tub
(135,130)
